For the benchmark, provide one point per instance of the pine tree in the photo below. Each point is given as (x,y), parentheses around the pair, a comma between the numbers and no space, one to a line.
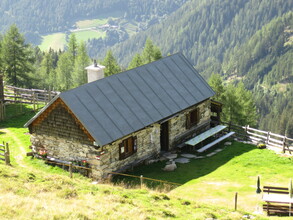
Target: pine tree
(82,61)
(46,72)
(135,62)
(17,58)
(72,48)
(150,52)
(111,64)
(216,82)
(64,72)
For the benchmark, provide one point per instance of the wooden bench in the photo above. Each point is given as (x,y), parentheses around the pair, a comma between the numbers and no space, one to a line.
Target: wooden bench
(204,148)
(277,201)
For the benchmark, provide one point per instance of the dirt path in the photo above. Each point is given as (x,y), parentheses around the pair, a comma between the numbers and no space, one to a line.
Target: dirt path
(18,157)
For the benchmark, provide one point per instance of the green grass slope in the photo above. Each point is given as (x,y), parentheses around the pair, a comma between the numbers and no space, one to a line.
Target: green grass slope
(30,189)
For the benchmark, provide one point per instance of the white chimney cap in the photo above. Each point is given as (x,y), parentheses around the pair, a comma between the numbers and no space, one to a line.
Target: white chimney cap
(95,67)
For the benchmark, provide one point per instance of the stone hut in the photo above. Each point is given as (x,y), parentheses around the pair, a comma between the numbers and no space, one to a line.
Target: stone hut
(121,120)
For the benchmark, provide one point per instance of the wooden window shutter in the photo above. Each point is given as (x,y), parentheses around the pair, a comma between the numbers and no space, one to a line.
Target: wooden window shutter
(130,145)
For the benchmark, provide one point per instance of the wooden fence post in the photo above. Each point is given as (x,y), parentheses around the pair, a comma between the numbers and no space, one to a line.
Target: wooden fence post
(268,137)
(284,144)
(235,201)
(141,181)
(49,95)
(34,101)
(7,155)
(70,169)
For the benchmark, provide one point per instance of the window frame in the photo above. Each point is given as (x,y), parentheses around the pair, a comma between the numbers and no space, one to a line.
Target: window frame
(193,118)
(127,147)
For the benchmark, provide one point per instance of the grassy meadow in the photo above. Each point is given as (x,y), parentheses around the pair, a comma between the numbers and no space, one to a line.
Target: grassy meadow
(91,23)
(89,34)
(30,189)
(55,41)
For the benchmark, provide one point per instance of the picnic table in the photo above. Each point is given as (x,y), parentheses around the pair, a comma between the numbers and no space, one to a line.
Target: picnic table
(278,200)
(199,138)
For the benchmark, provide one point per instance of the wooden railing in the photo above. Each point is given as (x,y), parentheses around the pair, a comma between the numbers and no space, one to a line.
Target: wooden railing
(270,139)
(5,153)
(27,96)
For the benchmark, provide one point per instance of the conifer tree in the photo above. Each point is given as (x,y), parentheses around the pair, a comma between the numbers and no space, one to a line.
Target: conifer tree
(17,58)
(72,48)
(82,61)
(64,72)
(47,72)
(216,82)
(150,52)
(135,62)
(111,64)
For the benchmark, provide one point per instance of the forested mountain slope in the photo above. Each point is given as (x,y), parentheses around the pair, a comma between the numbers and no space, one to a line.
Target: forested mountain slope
(265,63)
(35,17)
(206,30)
(240,39)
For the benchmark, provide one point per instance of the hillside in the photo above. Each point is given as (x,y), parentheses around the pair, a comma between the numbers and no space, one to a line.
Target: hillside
(31,189)
(265,65)
(223,37)
(91,19)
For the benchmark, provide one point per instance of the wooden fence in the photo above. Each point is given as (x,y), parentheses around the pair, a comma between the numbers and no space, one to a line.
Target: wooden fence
(256,136)
(27,96)
(35,97)
(5,153)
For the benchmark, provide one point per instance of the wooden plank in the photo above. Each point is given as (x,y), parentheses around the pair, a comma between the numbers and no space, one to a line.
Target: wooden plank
(274,145)
(254,138)
(253,129)
(277,135)
(2,159)
(215,142)
(257,135)
(275,187)
(275,140)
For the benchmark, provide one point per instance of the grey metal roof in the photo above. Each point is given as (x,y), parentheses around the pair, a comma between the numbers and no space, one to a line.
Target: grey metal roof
(121,104)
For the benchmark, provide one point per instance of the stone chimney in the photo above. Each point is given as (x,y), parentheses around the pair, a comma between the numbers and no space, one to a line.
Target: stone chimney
(95,72)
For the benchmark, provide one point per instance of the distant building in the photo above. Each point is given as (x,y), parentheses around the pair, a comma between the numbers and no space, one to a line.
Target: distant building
(124,119)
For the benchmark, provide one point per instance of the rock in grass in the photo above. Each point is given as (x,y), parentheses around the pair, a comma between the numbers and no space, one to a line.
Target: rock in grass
(188,155)
(182,160)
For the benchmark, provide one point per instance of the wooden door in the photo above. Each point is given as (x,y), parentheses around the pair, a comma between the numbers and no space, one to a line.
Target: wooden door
(164,137)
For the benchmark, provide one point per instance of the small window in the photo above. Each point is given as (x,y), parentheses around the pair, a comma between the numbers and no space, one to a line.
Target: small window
(127,147)
(192,118)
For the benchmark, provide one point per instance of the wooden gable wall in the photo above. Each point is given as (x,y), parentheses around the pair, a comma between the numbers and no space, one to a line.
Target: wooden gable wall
(59,121)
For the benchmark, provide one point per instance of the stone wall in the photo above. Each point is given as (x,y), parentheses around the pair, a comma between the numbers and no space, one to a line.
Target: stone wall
(148,145)
(177,125)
